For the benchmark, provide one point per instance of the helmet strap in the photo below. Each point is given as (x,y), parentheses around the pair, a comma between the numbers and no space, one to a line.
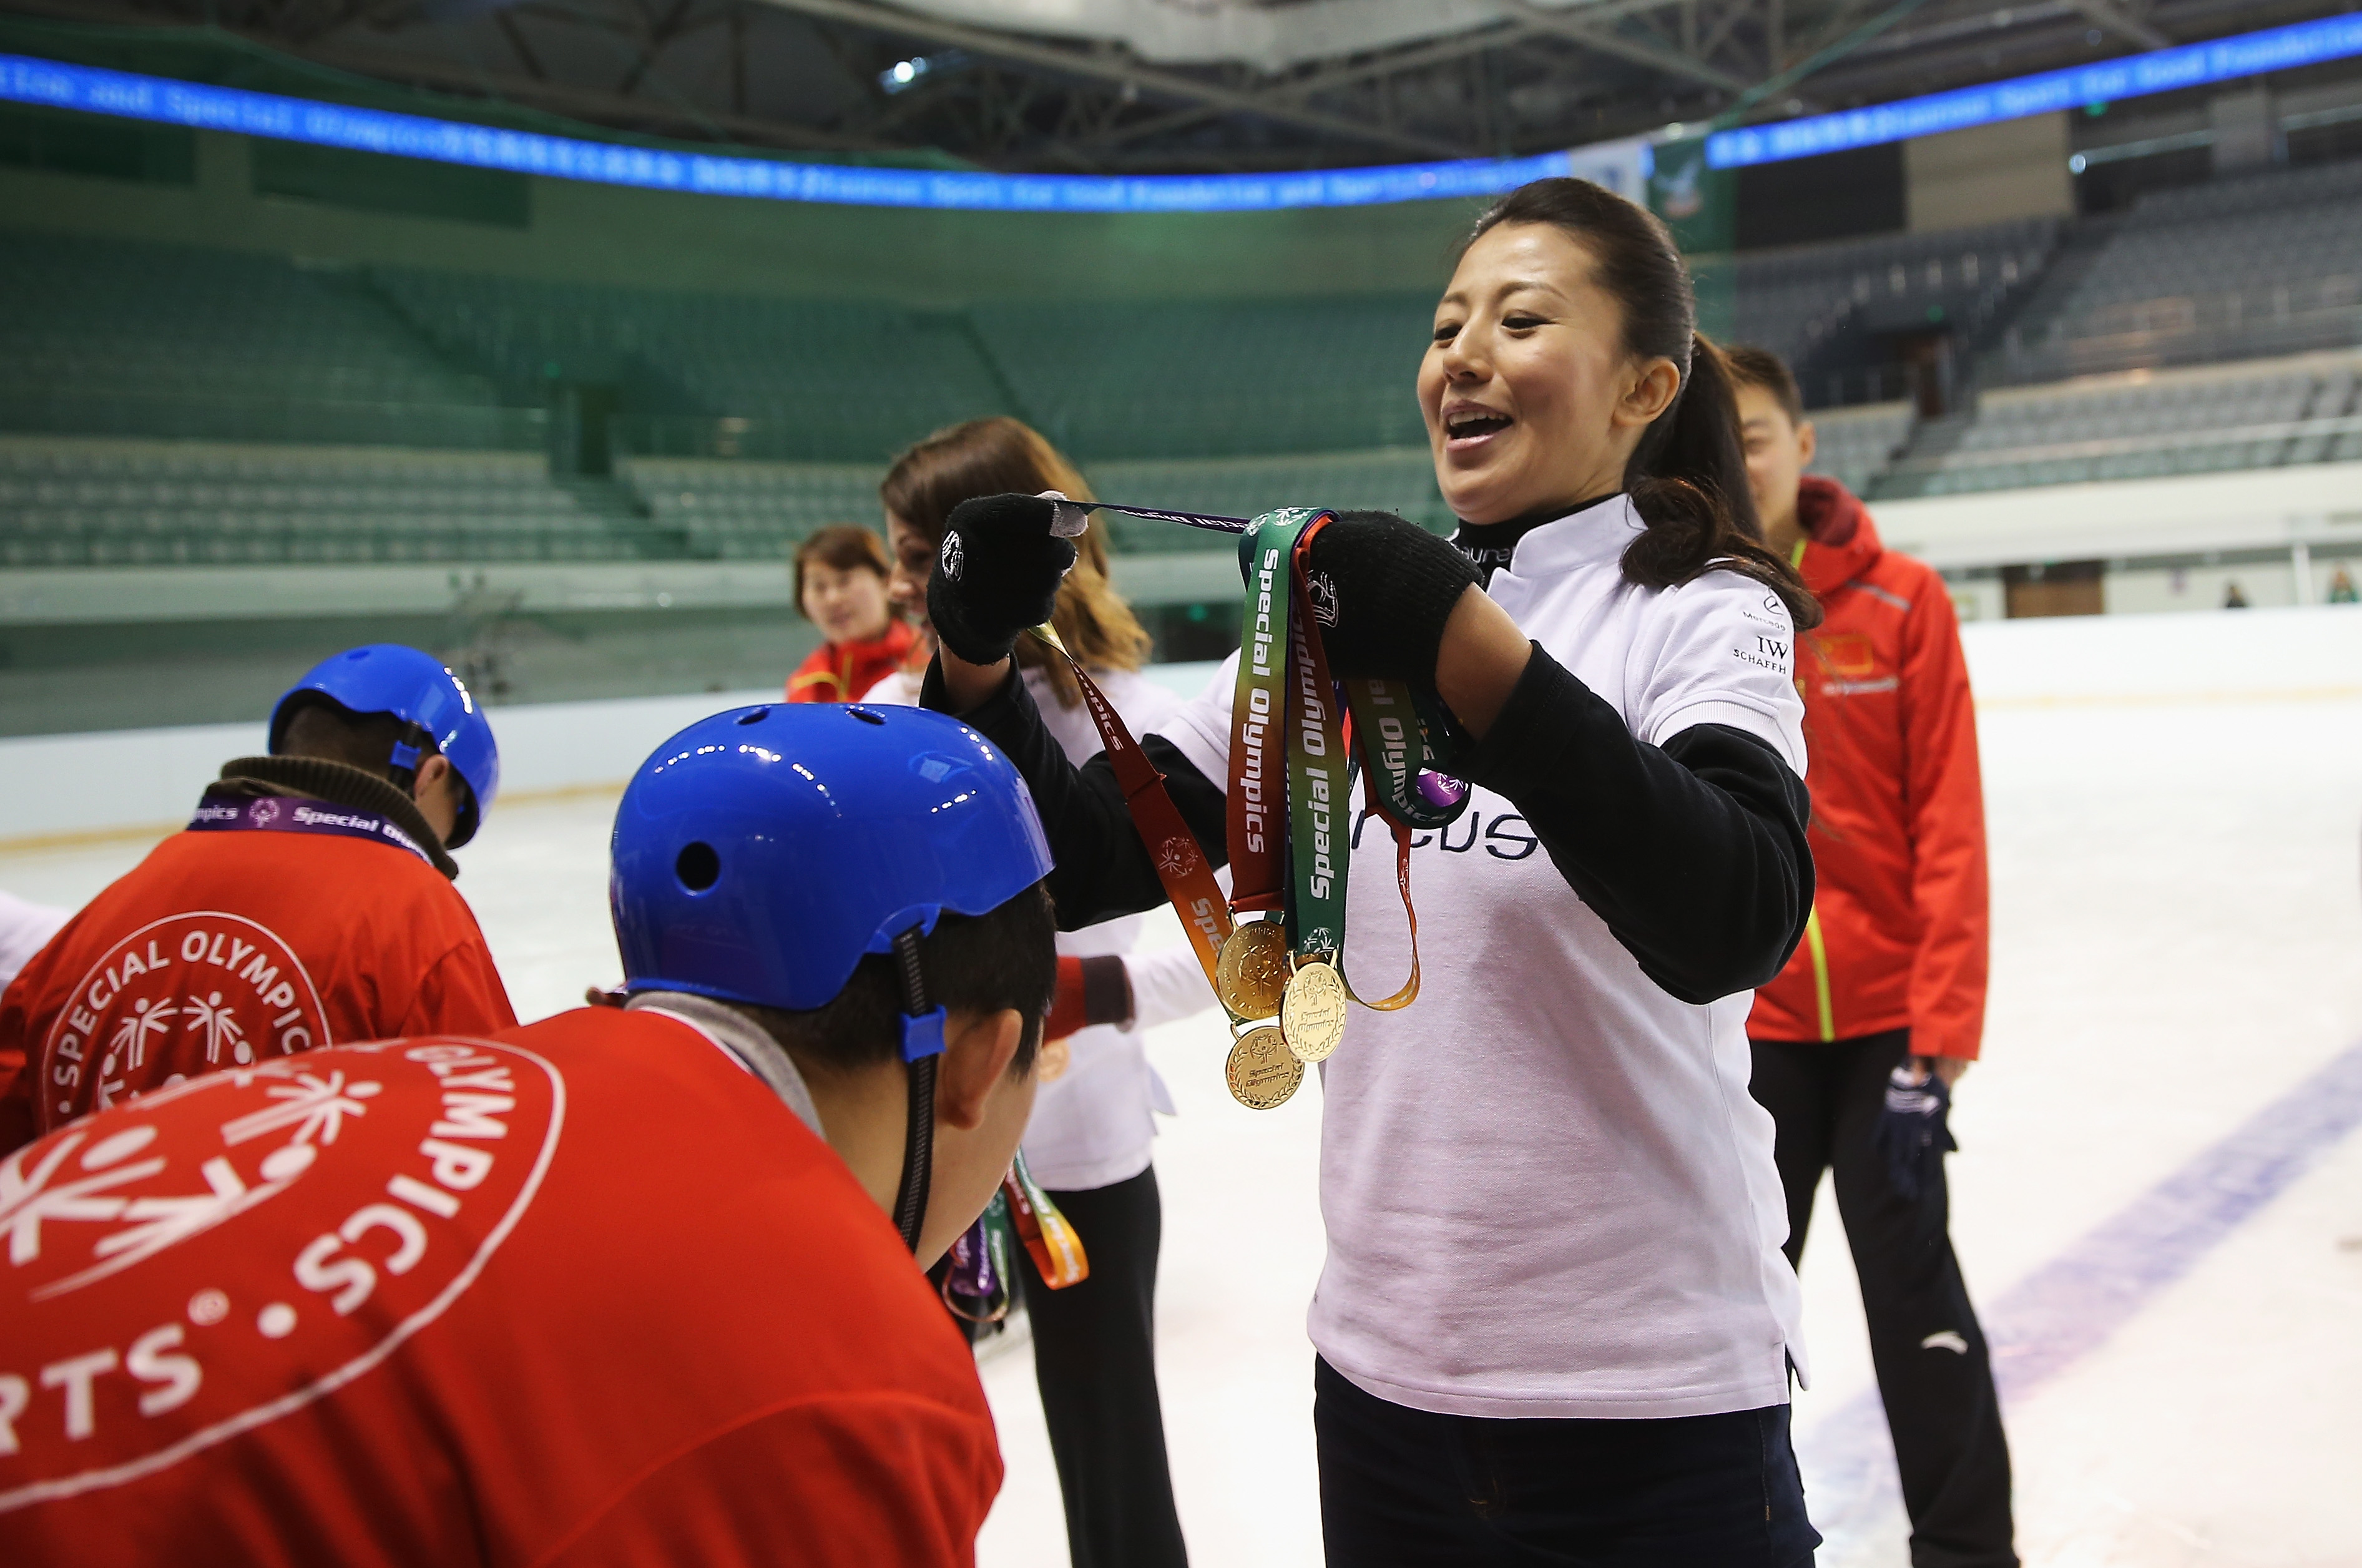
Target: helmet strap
(402,765)
(922,1048)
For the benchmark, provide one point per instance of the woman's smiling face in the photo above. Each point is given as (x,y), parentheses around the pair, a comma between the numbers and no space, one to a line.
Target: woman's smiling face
(1530,397)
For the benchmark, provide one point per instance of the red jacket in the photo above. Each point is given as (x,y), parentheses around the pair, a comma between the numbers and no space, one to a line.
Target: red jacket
(839,672)
(582,1293)
(1897,937)
(222,950)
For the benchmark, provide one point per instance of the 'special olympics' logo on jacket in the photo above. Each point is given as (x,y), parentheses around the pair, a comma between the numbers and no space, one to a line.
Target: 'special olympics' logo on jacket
(220,1254)
(177,997)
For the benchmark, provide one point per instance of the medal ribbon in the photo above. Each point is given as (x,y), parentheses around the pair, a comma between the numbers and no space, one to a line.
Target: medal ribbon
(1256,801)
(1319,789)
(1180,864)
(1057,1250)
(222,812)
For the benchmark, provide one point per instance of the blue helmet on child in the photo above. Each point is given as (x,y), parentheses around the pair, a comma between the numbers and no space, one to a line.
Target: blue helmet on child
(760,853)
(387,677)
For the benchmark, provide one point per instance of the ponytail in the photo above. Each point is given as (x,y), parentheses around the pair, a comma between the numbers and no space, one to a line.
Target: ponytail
(1688,481)
(1688,476)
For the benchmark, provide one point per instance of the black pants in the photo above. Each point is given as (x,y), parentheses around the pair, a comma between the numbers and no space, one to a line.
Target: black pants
(1095,1358)
(1404,1488)
(1934,1371)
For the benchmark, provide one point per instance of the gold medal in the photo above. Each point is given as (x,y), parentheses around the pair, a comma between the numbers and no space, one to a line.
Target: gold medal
(1252,975)
(1312,1014)
(1262,1071)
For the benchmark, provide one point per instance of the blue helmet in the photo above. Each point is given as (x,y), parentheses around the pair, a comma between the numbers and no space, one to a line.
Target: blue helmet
(760,853)
(386,677)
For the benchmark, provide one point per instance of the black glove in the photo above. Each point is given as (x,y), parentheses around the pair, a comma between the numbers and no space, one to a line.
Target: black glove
(1910,1131)
(996,573)
(1382,590)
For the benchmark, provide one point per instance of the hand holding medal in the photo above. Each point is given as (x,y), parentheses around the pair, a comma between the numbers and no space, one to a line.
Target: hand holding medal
(1275,952)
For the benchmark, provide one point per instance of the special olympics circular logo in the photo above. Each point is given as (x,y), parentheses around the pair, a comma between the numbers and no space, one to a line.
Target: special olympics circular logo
(188,994)
(954,558)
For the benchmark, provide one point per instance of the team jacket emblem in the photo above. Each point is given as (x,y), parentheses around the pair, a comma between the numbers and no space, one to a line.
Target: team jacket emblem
(180,996)
(219,1255)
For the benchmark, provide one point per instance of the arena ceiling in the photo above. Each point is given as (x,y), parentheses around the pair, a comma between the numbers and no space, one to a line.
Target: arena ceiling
(1191,85)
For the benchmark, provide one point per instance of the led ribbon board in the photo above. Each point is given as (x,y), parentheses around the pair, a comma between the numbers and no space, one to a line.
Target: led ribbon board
(2133,76)
(168,102)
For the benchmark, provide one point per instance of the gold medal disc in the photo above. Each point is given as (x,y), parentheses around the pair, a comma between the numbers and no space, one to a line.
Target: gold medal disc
(1262,1072)
(1251,975)
(1312,1014)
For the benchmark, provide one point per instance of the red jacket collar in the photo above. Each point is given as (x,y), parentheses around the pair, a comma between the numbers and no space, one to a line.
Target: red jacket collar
(1842,540)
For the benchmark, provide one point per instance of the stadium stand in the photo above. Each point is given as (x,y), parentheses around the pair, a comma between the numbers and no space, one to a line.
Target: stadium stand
(2231,269)
(140,339)
(1833,311)
(2142,424)
(99,501)
(733,510)
(1857,443)
(810,379)
(1230,379)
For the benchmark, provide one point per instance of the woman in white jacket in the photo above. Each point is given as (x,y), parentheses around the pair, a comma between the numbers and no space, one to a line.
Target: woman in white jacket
(1554,1322)
(1089,1141)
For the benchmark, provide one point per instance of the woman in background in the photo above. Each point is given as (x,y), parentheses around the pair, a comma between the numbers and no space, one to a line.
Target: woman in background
(841,574)
(1094,1343)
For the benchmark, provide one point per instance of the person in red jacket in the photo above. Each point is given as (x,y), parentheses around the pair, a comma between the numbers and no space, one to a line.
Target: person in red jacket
(1860,1039)
(841,574)
(626,1286)
(309,902)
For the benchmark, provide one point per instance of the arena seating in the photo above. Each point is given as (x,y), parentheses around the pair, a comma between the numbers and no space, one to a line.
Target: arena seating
(1126,380)
(1857,443)
(2238,269)
(82,501)
(140,339)
(740,510)
(2144,425)
(1831,310)
(805,380)
(169,404)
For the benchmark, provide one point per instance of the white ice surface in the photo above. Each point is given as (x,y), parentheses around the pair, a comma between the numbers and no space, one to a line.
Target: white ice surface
(2177,940)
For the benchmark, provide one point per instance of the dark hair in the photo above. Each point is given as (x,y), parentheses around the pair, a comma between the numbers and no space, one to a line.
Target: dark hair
(981,964)
(1760,368)
(1001,455)
(318,725)
(844,547)
(1688,476)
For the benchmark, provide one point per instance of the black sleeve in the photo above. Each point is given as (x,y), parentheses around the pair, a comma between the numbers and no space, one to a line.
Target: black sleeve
(1102,868)
(1693,853)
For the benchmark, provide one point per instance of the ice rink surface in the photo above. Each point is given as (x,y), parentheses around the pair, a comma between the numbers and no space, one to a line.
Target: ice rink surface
(2157,1200)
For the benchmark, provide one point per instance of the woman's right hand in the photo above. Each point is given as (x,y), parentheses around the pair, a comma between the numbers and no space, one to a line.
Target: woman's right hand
(996,573)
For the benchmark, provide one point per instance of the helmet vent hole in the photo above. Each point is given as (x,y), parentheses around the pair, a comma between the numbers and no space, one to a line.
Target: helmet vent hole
(753,715)
(698,866)
(867,716)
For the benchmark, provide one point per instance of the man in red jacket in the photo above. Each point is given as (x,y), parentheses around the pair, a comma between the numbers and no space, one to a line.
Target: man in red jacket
(626,1286)
(309,902)
(1858,1041)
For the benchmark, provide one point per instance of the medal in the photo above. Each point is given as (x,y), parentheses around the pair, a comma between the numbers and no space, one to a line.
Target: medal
(1262,1072)
(1312,1014)
(1250,977)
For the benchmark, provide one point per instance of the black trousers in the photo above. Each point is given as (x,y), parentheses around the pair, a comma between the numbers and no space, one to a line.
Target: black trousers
(1404,1488)
(1934,1371)
(1095,1359)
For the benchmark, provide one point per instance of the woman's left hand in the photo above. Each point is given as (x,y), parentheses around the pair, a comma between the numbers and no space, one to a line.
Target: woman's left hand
(1406,606)
(1382,590)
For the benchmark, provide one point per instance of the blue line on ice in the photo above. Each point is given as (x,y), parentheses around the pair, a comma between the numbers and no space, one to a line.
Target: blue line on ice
(2076,1302)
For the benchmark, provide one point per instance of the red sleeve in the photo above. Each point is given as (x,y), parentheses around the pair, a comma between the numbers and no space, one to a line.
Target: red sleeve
(816,679)
(841,1481)
(1067,1014)
(1947,806)
(461,994)
(18,1125)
